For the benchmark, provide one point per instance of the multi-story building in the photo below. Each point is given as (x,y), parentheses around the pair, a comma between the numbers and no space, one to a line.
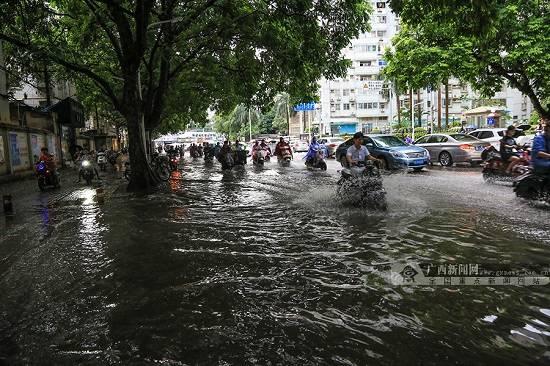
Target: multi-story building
(362,100)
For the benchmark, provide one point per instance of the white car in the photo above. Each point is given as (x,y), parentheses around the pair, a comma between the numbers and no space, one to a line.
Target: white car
(332,144)
(299,145)
(494,135)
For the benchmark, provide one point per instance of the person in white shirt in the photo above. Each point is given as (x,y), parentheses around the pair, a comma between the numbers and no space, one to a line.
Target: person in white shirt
(358,153)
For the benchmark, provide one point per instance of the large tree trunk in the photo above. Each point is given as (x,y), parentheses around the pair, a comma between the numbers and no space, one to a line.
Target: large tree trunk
(142,178)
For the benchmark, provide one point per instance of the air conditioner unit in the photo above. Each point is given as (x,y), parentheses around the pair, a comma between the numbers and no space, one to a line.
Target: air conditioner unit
(351,98)
(333,109)
(382,111)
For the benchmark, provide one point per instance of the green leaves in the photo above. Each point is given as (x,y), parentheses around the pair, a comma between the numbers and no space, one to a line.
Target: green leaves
(484,42)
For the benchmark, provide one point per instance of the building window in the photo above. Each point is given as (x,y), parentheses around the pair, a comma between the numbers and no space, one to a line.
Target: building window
(366,48)
(381,19)
(382,105)
(381,33)
(380,5)
(337,107)
(365,63)
(345,92)
(361,105)
(346,106)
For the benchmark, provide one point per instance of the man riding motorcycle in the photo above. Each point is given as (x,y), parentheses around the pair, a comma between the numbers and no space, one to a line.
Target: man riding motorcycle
(255,149)
(541,150)
(282,148)
(357,153)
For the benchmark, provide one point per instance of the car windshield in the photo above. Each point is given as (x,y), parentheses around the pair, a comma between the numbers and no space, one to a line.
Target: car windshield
(462,137)
(388,141)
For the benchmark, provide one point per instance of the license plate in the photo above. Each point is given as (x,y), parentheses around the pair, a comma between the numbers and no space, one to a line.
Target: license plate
(479,148)
(418,162)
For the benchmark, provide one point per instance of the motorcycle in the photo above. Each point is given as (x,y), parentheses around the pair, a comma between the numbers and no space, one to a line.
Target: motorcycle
(361,186)
(173,163)
(208,154)
(240,157)
(533,186)
(87,171)
(226,160)
(259,157)
(46,178)
(102,161)
(318,160)
(494,168)
(284,157)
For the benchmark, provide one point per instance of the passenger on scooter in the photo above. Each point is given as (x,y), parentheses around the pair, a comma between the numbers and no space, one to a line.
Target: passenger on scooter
(255,149)
(265,147)
(507,146)
(282,148)
(358,153)
(47,158)
(541,150)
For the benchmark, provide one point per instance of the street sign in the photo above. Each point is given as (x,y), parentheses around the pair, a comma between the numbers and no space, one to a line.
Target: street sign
(490,121)
(304,107)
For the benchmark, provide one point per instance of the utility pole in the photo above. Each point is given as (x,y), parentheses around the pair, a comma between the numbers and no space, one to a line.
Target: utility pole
(249,126)
(439,107)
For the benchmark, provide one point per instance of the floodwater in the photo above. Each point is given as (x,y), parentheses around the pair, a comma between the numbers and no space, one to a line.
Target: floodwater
(266,267)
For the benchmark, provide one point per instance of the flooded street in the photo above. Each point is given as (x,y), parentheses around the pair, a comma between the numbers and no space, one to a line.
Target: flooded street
(265,266)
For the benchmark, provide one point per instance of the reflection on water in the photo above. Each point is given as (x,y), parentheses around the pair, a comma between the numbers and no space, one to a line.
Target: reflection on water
(265,266)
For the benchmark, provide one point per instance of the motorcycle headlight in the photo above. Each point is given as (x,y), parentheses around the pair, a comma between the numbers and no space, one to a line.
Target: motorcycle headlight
(85,163)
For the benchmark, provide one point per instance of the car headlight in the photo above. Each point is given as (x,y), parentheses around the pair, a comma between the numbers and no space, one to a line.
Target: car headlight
(85,163)
(397,154)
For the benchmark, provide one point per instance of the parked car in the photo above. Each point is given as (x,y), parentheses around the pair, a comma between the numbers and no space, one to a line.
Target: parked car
(394,153)
(494,135)
(332,144)
(299,145)
(453,148)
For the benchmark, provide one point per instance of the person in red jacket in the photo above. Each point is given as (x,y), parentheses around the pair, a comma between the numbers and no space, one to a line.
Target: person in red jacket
(47,158)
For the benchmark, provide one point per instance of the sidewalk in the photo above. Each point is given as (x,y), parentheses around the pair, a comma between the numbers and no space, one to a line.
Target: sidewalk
(17,176)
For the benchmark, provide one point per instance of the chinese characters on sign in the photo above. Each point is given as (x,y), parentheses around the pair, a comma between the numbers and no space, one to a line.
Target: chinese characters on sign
(304,107)
(469,274)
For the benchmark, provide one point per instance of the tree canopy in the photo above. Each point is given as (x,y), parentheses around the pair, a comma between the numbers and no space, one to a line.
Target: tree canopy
(152,59)
(483,42)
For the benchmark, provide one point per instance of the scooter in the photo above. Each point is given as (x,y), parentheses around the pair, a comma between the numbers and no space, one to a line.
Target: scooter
(258,157)
(87,171)
(494,168)
(173,163)
(102,161)
(240,157)
(46,178)
(284,157)
(361,186)
(318,161)
(532,186)
(226,161)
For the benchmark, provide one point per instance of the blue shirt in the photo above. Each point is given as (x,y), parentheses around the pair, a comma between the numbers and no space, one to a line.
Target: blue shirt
(357,154)
(540,143)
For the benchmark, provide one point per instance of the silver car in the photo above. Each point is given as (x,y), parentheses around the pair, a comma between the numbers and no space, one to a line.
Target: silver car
(453,148)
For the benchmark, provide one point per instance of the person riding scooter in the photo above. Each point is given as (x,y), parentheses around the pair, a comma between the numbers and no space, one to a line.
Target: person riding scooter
(47,158)
(358,153)
(282,149)
(507,149)
(267,149)
(312,151)
(541,150)
(86,155)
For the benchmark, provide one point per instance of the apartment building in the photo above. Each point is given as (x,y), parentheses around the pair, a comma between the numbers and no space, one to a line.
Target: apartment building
(363,101)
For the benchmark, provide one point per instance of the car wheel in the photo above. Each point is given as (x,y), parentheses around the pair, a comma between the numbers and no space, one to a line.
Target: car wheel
(445,159)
